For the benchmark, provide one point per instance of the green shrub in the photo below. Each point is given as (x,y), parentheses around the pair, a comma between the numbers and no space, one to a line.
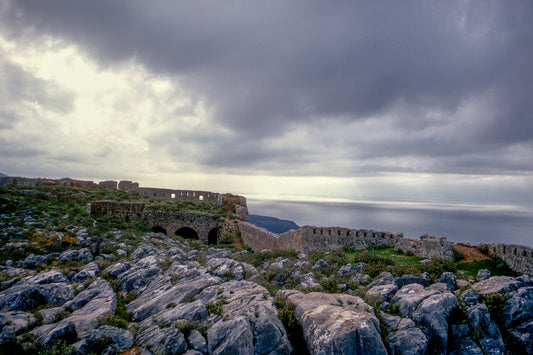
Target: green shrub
(330,285)
(114,321)
(186,326)
(457,255)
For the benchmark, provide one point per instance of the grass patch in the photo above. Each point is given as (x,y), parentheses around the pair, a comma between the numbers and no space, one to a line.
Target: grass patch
(496,268)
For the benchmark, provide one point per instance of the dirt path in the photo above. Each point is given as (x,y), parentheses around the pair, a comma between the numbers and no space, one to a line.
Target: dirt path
(471,253)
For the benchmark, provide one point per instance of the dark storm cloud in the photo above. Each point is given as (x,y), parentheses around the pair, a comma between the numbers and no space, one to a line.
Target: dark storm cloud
(265,68)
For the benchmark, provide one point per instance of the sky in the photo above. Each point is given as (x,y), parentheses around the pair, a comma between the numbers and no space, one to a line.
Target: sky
(347,100)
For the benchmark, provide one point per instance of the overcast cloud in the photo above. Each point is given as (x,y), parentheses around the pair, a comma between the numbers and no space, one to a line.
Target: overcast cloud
(417,96)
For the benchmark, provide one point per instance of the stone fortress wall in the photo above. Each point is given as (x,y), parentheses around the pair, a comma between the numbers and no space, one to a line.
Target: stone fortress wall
(518,257)
(312,238)
(307,238)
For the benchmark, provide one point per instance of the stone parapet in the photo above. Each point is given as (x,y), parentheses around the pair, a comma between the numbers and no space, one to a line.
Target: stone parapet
(518,257)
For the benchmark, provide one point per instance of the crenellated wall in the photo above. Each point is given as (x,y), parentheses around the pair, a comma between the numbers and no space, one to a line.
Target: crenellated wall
(312,238)
(518,257)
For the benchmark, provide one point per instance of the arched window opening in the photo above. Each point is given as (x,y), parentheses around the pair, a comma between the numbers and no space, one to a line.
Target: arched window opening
(212,237)
(201,197)
(172,195)
(187,233)
(158,229)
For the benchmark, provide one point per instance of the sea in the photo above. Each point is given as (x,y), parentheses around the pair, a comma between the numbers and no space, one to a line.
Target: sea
(472,223)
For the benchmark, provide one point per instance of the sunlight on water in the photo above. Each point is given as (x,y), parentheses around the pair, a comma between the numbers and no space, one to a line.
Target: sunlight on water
(472,223)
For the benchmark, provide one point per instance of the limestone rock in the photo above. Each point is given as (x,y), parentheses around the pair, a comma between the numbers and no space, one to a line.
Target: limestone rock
(410,296)
(380,294)
(162,341)
(161,292)
(12,323)
(336,323)
(49,334)
(404,337)
(408,280)
(49,288)
(253,306)
(96,301)
(121,340)
(76,255)
(483,274)
(89,271)
(469,298)
(138,278)
(218,253)
(320,264)
(197,341)
(496,284)
(230,337)
(489,334)
(450,280)
(460,343)
(385,278)
(518,307)
(224,268)
(308,281)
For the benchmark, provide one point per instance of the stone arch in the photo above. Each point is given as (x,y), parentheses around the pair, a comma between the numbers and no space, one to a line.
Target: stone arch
(159,229)
(212,237)
(188,233)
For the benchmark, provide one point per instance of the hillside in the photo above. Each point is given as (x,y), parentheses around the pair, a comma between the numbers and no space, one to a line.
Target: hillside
(273,224)
(71,283)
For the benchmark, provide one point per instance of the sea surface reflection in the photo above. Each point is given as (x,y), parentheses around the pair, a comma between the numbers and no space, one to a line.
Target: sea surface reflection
(476,224)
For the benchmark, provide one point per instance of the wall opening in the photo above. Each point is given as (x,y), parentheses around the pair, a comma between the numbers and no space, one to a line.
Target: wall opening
(159,229)
(187,232)
(172,195)
(201,198)
(212,237)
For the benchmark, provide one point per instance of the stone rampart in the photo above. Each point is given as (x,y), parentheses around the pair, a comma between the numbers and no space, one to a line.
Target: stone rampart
(312,238)
(518,257)
(38,182)
(126,211)
(182,195)
(259,238)
(109,184)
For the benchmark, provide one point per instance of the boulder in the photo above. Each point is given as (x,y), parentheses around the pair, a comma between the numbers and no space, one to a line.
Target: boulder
(496,284)
(518,307)
(162,292)
(385,278)
(432,313)
(32,261)
(225,268)
(12,323)
(410,296)
(50,288)
(320,264)
(408,280)
(197,341)
(404,336)
(218,253)
(231,337)
(281,264)
(193,311)
(252,303)
(380,294)
(162,341)
(142,251)
(308,281)
(336,323)
(96,301)
(114,339)
(523,335)
(76,255)
(117,269)
(469,298)
(88,272)
(346,270)
(490,338)
(51,333)
(137,279)
(460,343)
(450,280)
(483,274)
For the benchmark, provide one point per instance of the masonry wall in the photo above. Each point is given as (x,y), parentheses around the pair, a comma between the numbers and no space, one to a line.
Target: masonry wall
(259,238)
(172,221)
(126,211)
(312,238)
(518,257)
(37,182)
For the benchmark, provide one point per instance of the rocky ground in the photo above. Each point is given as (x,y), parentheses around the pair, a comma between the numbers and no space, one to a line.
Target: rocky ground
(149,293)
